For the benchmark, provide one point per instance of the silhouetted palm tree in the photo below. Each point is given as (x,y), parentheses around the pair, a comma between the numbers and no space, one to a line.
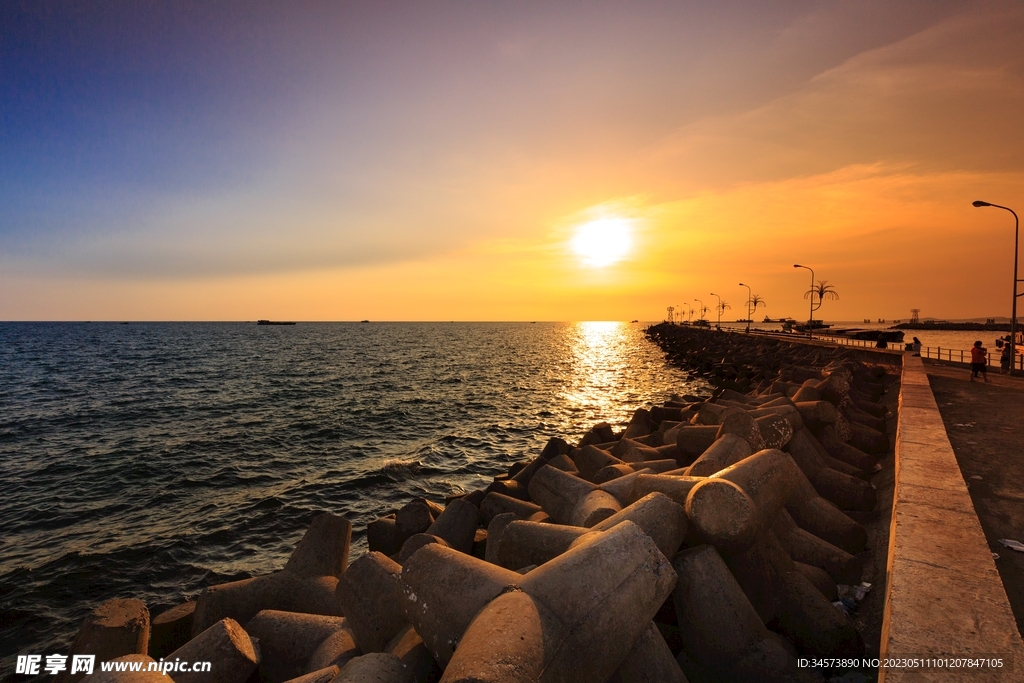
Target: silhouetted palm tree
(756,301)
(823,290)
(724,306)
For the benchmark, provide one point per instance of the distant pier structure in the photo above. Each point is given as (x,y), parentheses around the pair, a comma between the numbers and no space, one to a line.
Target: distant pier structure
(915,315)
(671,312)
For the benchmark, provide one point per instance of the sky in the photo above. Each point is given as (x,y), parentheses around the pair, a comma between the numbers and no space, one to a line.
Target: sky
(507,161)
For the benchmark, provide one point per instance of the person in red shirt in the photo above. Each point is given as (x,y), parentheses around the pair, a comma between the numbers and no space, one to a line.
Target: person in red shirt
(978,361)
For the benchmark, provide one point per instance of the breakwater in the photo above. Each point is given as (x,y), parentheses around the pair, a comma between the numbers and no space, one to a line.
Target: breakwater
(707,540)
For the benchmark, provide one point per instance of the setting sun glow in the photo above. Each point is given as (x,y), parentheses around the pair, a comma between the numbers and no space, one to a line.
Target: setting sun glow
(602,242)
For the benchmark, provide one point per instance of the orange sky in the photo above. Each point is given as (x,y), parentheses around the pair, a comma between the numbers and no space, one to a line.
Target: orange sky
(849,137)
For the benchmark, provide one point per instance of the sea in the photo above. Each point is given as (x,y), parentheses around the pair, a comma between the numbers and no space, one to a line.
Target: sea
(150,460)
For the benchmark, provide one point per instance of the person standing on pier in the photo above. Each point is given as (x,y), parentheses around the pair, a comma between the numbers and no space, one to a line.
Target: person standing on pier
(979,356)
(1004,360)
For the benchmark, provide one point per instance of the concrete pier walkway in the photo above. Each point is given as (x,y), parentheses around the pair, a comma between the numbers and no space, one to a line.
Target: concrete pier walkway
(945,597)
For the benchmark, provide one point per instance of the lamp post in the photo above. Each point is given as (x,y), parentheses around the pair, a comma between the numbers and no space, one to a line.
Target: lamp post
(701,309)
(719,325)
(810,319)
(1013,309)
(750,295)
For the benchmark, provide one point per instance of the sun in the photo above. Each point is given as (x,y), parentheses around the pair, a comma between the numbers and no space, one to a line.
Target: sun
(603,242)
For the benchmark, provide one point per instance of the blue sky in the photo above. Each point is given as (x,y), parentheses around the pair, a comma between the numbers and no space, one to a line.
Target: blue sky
(147,142)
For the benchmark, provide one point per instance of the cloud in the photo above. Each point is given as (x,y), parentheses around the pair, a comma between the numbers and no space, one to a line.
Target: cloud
(944,99)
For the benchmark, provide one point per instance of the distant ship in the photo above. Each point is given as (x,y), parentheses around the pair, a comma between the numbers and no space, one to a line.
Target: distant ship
(272,322)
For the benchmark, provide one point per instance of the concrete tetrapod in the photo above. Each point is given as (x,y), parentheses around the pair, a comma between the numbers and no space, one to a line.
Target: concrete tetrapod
(456,525)
(840,450)
(729,508)
(725,451)
(658,516)
(657,466)
(528,543)
(742,424)
(869,440)
(675,487)
(415,517)
(495,503)
(377,667)
(775,430)
(779,591)
(721,632)
(807,548)
(571,500)
(810,621)
(622,487)
(572,620)
(143,676)
(590,460)
(848,492)
(288,640)
(226,645)
(553,448)
(650,661)
(756,575)
(324,675)
(371,594)
(813,513)
(335,650)
(495,530)
(525,543)
(414,543)
(414,655)
(611,472)
(323,550)
(283,590)
(694,440)
(382,535)
(444,589)
(171,629)
(115,628)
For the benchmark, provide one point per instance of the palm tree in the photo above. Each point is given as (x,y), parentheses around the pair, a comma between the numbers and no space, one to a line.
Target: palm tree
(703,310)
(823,290)
(756,301)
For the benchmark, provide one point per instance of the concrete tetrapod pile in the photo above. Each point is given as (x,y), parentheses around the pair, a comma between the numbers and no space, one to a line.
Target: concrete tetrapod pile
(704,542)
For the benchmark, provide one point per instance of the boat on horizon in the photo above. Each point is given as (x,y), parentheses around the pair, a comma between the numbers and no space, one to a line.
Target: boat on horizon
(272,322)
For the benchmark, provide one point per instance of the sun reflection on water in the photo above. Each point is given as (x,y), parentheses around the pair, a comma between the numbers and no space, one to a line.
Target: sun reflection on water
(602,354)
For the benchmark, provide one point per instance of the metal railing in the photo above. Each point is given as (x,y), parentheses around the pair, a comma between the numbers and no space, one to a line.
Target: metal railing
(964,356)
(850,341)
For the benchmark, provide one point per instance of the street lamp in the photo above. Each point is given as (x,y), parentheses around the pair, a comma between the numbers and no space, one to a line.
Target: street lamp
(1013,310)
(750,295)
(689,312)
(719,325)
(810,320)
(701,309)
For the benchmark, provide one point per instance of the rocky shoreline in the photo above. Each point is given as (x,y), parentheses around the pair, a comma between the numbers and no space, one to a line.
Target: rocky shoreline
(713,539)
